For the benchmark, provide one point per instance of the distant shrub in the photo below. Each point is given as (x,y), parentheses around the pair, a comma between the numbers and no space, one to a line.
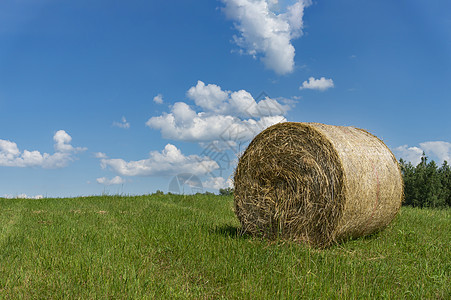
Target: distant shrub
(226,192)
(206,193)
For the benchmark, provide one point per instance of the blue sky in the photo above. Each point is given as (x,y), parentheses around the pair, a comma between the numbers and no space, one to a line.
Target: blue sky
(121,96)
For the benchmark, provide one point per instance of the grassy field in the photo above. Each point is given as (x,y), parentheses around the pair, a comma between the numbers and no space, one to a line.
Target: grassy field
(167,246)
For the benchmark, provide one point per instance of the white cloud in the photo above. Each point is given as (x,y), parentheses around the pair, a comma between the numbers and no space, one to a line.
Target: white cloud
(262,31)
(8,149)
(210,97)
(218,183)
(227,116)
(202,127)
(438,148)
(411,154)
(122,124)
(23,196)
(321,84)
(100,155)
(11,156)
(114,180)
(240,103)
(170,161)
(158,99)
(62,141)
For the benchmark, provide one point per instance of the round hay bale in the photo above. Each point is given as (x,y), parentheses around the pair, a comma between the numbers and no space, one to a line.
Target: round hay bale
(316,183)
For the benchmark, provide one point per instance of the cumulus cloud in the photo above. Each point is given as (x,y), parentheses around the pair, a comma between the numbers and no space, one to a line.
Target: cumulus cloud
(11,156)
(123,124)
(218,183)
(264,32)
(442,150)
(439,150)
(321,84)
(411,154)
(114,180)
(158,99)
(226,115)
(240,103)
(186,125)
(170,161)
(210,97)
(62,141)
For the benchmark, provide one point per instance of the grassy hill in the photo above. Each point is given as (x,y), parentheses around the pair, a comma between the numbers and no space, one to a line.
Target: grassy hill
(168,246)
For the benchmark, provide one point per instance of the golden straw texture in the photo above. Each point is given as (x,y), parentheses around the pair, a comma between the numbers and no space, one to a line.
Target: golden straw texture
(316,183)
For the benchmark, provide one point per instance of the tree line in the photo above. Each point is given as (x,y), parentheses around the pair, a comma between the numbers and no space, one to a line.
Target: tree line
(426,184)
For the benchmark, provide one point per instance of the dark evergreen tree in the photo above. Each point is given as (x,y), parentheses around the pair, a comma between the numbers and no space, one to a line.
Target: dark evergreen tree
(226,192)
(433,187)
(445,176)
(408,172)
(426,185)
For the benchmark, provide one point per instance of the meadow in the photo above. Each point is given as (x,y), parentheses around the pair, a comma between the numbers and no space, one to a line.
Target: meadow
(190,247)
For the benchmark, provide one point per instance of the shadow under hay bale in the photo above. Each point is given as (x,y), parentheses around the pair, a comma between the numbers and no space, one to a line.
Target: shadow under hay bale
(316,183)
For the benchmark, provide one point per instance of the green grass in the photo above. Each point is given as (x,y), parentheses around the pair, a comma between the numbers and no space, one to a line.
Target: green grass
(187,247)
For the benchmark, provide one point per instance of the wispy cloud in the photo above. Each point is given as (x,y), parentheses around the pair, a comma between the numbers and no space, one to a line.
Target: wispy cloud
(11,156)
(321,84)
(100,155)
(112,181)
(123,124)
(158,99)
(23,196)
(263,31)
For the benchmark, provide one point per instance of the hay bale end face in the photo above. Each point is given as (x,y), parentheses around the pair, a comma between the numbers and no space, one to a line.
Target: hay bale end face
(316,183)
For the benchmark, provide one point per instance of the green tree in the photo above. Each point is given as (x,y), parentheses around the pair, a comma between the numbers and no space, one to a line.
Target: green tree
(445,177)
(426,185)
(158,192)
(434,189)
(226,192)
(408,173)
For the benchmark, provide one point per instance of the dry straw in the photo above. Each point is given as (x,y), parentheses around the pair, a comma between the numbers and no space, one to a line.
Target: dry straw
(316,183)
